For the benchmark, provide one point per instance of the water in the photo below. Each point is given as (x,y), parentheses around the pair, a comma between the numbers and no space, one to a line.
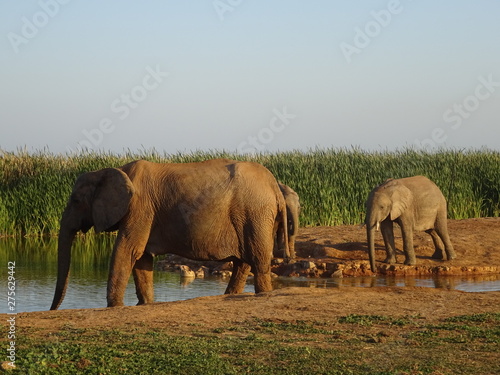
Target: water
(35,291)
(36,272)
(478,283)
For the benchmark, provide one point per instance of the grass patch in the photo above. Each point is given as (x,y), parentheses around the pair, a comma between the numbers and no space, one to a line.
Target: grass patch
(475,318)
(347,345)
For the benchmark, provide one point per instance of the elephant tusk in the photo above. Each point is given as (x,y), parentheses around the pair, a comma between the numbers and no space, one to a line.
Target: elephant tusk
(378,226)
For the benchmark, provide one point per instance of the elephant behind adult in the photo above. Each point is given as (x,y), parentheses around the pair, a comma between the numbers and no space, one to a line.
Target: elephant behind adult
(213,210)
(292,212)
(415,203)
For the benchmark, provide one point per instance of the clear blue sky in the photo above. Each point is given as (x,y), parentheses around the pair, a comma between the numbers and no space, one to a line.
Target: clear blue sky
(249,76)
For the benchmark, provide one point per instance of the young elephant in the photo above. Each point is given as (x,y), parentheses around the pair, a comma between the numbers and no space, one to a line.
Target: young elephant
(214,210)
(415,203)
(292,213)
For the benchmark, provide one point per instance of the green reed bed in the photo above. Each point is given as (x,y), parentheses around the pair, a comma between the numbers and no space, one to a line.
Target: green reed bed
(332,183)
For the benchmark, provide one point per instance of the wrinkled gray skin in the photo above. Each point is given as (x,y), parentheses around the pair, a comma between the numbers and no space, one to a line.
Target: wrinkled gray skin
(292,212)
(415,203)
(214,210)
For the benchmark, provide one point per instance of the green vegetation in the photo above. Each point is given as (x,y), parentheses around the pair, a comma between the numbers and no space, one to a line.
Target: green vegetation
(343,345)
(89,254)
(333,184)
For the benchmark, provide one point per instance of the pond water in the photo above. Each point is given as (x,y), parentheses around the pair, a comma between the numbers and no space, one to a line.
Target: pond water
(36,272)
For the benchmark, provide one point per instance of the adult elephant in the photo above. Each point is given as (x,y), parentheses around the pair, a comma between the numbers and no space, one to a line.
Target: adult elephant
(292,211)
(415,203)
(213,210)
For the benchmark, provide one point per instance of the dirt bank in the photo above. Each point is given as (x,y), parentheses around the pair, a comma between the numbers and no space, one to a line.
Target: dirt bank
(476,241)
(341,251)
(282,305)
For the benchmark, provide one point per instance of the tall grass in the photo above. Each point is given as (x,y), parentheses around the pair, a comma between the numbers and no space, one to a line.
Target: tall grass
(333,184)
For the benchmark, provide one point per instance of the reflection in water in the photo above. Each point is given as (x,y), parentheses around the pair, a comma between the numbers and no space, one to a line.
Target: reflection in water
(477,283)
(36,273)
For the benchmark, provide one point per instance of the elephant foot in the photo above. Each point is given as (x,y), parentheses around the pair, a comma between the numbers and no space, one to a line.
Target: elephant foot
(390,260)
(451,256)
(438,254)
(115,304)
(410,262)
(262,283)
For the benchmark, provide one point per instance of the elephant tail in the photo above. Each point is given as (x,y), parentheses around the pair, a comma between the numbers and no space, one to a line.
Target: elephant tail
(283,218)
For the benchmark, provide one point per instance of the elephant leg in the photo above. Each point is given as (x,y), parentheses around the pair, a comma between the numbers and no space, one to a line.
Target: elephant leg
(143,278)
(119,274)
(125,254)
(442,231)
(438,244)
(262,277)
(387,229)
(258,243)
(279,244)
(291,245)
(407,232)
(238,278)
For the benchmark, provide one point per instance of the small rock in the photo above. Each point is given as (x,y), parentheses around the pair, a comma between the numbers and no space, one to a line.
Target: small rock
(187,272)
(338,274)
(332,267)
(306,265)
(199,274)
(277,261)
(222,273)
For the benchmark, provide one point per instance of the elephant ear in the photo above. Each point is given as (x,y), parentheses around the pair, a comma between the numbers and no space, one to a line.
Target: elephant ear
(401,198)
(111,198)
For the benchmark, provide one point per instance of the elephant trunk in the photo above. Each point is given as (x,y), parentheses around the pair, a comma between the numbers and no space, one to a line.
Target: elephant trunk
(292,232)
(284,226)
(66,237)
(370,230)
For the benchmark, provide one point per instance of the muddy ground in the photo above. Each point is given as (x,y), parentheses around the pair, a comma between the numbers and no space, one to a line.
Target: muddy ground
(344,248)
(341,251)
(476,241)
